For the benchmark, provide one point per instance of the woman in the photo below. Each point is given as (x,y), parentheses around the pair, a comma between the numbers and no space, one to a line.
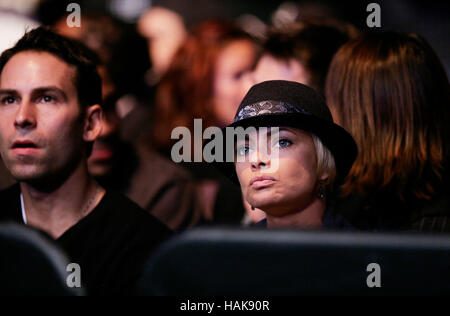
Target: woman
(390,91)
(311,152)
(203,80)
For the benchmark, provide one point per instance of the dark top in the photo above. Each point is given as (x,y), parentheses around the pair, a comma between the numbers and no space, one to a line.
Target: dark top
(155,183)
(110,244)
(380,212)
(331,221)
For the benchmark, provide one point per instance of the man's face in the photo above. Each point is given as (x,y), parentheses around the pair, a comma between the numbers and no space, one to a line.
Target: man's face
(41,127)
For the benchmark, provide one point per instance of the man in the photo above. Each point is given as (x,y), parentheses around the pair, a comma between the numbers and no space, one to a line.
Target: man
(119,160)
(301,52)
(50,115)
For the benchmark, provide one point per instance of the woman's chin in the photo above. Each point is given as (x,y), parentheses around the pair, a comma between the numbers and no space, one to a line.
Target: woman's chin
(272,209)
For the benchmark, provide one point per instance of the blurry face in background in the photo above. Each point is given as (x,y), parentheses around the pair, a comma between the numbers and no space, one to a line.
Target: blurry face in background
(165,32)
(292,186)
(236,59)
(63,29)
(100,162)
(271,68)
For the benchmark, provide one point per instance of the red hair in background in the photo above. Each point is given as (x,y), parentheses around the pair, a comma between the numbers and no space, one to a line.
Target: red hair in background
(391,92)
(186,90)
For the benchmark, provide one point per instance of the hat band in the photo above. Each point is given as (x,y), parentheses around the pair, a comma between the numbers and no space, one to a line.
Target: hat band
(268,107)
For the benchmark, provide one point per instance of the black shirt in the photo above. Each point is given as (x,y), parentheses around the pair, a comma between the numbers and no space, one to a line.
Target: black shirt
(110,244)
(331,221)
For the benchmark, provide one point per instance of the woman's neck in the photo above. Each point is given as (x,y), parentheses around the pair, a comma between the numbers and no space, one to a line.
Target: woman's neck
(311,217)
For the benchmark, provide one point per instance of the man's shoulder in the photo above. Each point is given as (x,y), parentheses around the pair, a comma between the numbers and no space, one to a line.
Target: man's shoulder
(128,213)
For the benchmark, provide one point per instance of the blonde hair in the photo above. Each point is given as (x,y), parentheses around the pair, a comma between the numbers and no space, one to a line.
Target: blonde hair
(325,160)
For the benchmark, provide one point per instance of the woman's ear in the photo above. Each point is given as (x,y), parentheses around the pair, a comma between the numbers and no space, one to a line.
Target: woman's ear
(324,177)
(93,123)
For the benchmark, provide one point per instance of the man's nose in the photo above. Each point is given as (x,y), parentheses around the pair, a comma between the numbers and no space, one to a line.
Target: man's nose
(25,117)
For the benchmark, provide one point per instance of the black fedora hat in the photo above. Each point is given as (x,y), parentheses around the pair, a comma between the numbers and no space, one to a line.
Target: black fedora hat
(279,103)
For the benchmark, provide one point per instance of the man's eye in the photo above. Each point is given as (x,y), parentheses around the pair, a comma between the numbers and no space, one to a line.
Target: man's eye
(8,100)
(46,99)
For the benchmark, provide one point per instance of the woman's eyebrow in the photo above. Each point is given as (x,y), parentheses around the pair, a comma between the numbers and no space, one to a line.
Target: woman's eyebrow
(284,129)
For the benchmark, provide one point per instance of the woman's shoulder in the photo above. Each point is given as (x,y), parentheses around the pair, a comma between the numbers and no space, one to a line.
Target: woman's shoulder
(333,220)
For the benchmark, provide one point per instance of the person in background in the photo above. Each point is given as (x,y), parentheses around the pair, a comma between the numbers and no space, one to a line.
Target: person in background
(50,115)
(165,32)
(203,82)
(156,184)
(124,64)
(299,52)
(391,92)
(12,27)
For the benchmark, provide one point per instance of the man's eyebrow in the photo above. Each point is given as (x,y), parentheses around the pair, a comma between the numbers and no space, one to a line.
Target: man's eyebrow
(8,91)
(54,89)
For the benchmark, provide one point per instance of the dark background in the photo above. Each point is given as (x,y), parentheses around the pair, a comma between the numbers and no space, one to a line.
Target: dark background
(430,19)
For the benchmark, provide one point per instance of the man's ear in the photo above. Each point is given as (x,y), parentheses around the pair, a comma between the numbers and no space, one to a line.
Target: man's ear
(93,123)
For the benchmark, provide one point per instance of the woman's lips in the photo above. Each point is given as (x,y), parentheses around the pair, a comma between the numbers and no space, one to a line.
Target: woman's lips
(262,182)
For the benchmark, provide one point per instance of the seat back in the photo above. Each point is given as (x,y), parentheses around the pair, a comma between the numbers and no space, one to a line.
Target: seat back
(264,262)
(30,264)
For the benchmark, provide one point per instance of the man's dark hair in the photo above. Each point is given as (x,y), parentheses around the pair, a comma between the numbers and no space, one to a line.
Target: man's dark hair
(312,45)
(74,53)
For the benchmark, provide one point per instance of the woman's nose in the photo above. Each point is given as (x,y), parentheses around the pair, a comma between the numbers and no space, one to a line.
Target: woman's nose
(260,160)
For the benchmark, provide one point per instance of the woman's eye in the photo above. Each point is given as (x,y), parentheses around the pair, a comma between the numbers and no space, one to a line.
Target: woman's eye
(283,143)
(244,150)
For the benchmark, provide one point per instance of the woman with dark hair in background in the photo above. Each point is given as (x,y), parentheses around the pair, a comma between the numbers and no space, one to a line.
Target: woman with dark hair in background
(204,82)
(391,92)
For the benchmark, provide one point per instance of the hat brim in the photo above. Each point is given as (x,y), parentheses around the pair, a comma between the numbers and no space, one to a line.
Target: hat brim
(334,137)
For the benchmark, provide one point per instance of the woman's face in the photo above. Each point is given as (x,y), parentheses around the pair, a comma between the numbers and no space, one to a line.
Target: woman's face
(236,58)
(291,185)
